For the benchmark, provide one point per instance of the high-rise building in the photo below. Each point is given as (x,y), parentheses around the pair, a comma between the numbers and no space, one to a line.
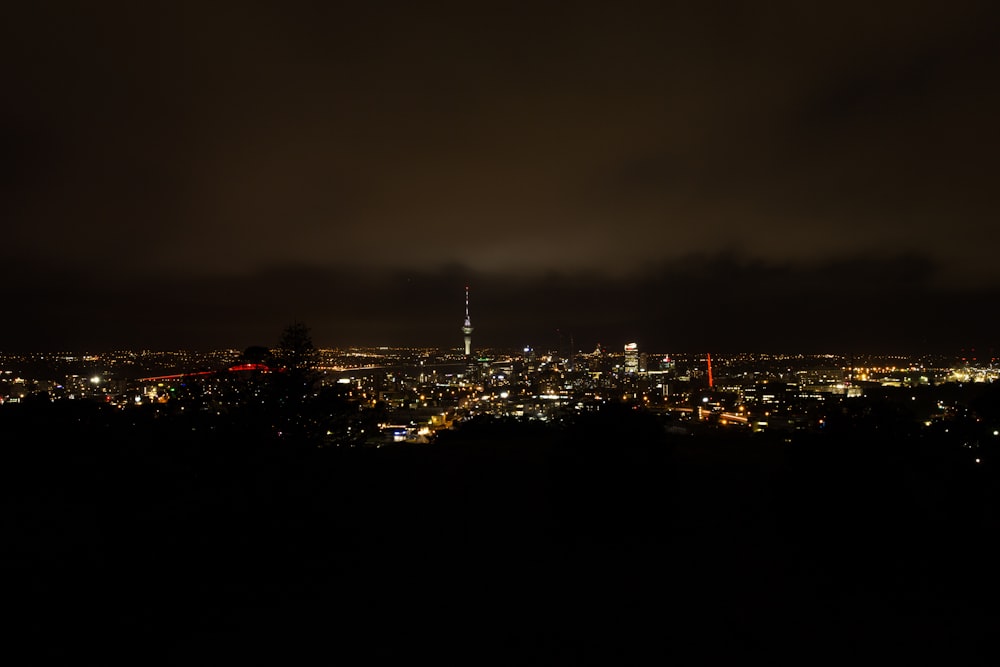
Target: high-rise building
(666,364)
(631,358)
(467,327)
(529,356)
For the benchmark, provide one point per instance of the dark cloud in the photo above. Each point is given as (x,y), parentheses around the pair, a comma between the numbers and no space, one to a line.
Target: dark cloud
(187,147)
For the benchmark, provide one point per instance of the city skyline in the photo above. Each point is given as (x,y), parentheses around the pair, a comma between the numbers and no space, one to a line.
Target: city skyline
(794,314)
(724,178)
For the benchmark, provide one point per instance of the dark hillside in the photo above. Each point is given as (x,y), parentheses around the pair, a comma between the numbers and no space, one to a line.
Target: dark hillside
(603,539)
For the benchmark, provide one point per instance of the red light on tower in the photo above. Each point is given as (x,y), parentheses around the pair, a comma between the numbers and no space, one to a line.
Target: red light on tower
(710,382)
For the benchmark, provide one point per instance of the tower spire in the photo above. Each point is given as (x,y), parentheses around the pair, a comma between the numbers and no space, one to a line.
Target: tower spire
(467,327)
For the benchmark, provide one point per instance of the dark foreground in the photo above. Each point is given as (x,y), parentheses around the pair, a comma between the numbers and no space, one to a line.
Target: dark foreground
(605,543)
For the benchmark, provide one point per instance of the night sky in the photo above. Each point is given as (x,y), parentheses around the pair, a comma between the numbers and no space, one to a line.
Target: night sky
(780,176)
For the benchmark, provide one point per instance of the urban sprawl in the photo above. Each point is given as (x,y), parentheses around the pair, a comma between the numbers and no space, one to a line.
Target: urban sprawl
(419,391)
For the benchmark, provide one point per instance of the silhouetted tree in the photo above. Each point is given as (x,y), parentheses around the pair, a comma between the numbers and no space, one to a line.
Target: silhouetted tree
(257,354)
(295,382)
(296,351)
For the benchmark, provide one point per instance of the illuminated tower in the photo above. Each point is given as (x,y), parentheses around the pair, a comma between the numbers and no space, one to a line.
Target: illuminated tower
(467,327)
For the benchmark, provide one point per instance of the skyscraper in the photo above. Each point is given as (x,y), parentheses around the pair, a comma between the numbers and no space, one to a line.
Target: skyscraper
(631,358)
(467,327)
